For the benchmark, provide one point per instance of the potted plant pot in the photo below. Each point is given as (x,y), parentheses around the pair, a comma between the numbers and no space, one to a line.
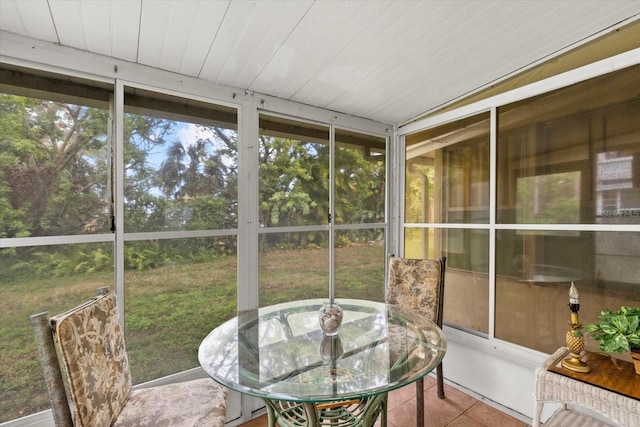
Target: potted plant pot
(635,355)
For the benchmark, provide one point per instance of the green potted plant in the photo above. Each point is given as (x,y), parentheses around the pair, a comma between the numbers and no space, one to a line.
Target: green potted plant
(619,332)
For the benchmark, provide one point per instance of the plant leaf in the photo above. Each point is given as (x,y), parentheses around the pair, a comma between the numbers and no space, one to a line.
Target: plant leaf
(619,344)
(620,323)
(607,328)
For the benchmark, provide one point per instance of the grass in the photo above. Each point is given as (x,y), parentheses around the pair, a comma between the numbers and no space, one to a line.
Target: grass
(168,310)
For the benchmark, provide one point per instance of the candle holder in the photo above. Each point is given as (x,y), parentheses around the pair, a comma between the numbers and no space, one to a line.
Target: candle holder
(574,337)
(575,342)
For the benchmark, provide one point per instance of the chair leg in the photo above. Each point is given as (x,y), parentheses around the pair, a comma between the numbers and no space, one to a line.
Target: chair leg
(440,378)
(537,411)
(420,403)
(51,370)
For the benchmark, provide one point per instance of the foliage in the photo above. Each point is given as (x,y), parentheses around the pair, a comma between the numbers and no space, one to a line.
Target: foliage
(294,189)
(50,156)
(618,331)
(55,171)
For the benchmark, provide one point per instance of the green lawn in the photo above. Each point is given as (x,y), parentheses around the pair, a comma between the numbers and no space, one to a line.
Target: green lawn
(168,310)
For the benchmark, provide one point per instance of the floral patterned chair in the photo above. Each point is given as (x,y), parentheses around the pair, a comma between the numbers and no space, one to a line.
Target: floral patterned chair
(419,284)
(90,342)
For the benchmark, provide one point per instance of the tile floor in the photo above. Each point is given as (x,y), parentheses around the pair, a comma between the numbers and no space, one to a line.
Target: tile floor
(456,410)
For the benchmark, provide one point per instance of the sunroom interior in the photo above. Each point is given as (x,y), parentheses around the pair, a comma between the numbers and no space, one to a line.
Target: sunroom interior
(206,157)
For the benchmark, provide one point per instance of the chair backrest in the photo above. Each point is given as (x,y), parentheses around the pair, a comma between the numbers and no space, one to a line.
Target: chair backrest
(417,284)
(90,341)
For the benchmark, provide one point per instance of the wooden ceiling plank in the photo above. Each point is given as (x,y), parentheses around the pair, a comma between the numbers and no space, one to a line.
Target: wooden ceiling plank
(125,29)
(320,36)
(202,35)
(34,19)
(269,27)
(154,23)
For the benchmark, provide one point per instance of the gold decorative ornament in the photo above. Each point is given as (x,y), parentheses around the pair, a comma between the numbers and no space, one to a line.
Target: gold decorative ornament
(574,337)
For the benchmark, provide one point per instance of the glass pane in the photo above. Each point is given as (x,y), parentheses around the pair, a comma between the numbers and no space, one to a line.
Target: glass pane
(294,173)
(34,280)
(447,173)
(359,264)
(572,156)
(534,270)
(466,296)
(360,170)
(54,167)
(420,189)
(293,266)
(181,162)
(176,292)
(467,182)
(548,198)
(420,243)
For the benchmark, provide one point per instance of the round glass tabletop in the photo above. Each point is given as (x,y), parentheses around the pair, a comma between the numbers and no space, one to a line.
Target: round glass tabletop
(280,353)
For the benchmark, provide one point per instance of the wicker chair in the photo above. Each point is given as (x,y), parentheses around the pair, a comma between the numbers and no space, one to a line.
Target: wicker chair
(419,284)
(90,342)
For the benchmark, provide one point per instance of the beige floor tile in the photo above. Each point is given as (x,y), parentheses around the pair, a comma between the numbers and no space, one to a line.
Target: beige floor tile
(405,416)
(465,421)
(261,421)
(454,403)
(489,416)
(429,381)
(399,396)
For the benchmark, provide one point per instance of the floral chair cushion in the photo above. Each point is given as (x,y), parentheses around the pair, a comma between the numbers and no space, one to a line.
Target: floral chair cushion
(415,284)
(193,403)
(91,344)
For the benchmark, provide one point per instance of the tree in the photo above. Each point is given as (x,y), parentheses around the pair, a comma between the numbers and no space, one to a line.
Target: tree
(54,164)
(288,170)
(294,187)
(359,187)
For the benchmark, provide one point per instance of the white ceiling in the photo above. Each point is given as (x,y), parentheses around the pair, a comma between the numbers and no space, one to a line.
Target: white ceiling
(388,61)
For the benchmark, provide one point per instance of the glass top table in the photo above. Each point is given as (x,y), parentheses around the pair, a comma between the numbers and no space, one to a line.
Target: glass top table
(280,353)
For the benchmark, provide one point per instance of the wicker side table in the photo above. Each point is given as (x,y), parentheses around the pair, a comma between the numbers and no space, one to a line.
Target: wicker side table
(551,386)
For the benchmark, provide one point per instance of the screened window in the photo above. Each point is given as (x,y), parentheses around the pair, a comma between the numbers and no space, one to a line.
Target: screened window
(567,158)
(360,196)
(181,161)
(567,208)
(55,157)
(447,182)
(293,196)
(55,185)
(180,216)
(300,177)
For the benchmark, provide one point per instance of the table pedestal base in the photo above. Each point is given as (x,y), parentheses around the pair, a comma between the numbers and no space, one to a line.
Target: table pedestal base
(350,413)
